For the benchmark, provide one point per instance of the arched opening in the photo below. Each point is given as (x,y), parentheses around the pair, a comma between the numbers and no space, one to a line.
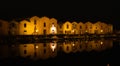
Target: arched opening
(53,29)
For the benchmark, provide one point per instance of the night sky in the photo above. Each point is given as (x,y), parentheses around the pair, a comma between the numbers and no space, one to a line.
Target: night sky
(108,12)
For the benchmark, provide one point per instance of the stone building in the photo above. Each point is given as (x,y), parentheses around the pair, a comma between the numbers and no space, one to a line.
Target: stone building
(45,26)
(4,25)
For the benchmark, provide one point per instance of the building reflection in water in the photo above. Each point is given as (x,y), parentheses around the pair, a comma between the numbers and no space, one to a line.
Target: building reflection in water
(49,50)
(38,50)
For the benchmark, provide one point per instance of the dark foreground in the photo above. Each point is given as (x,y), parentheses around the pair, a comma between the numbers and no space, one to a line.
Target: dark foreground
(93,58)
(109,56)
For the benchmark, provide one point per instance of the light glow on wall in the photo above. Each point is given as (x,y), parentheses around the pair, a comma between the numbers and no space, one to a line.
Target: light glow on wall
(36,30)
(73,31)
(53,46)
(53,29)
(101,30)
(101,42)
(73,44)
(36,46)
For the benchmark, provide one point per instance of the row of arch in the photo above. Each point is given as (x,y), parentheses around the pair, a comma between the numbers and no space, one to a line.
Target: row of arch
(45,25)
(88,27)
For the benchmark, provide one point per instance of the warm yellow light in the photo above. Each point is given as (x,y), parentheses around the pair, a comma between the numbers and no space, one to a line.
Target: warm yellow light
(73,31)
(53,29)
(73,44)
(86,31)
(36,46)
(101,30)
(53,46)
(101,42)
(36,30)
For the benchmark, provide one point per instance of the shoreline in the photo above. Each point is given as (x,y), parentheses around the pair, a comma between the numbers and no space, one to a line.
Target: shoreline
(49,38)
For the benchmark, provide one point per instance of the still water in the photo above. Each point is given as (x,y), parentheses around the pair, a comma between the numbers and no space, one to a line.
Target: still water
(102,52)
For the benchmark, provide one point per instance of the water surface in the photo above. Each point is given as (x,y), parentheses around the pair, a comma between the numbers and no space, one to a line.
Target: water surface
(77,52)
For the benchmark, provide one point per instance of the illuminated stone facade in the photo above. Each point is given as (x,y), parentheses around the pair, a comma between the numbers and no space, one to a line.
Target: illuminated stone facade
(13,28)
(67,28)
(38,26)
(45,26)
(4,25)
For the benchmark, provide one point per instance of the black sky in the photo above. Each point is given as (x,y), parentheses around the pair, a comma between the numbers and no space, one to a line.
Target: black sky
(63,11)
